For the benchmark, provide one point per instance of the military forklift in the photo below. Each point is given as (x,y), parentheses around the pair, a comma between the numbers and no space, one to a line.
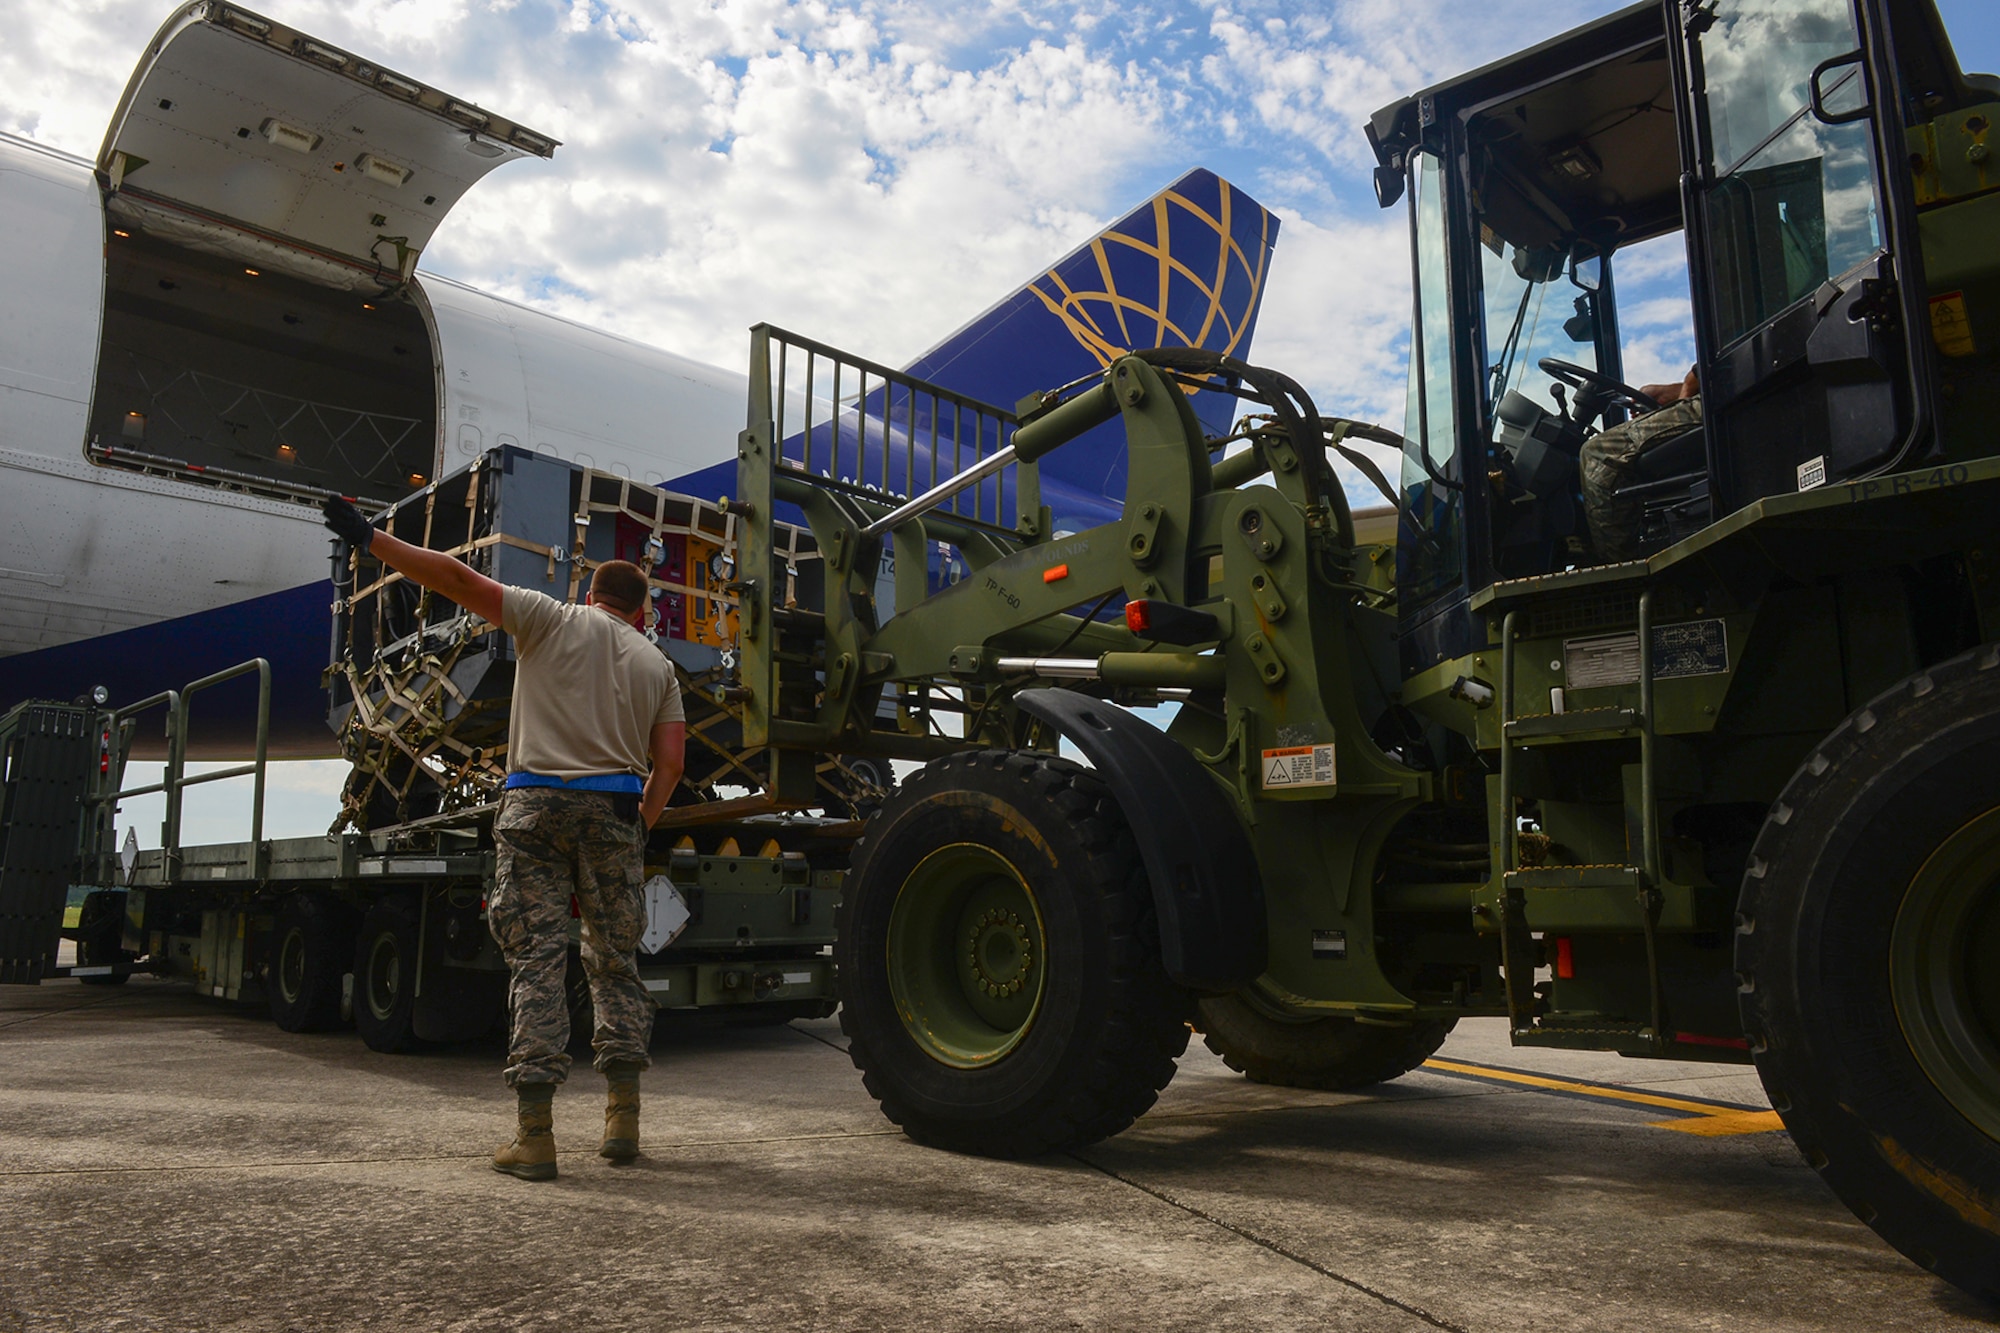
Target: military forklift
(1727,789)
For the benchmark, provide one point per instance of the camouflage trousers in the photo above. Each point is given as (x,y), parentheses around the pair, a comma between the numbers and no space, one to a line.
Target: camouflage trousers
(553,844)
(1610,462)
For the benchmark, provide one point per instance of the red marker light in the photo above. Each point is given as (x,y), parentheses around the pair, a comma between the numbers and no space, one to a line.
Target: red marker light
(1139,616)
(1565,958)
(1697,1039)
(1054,573)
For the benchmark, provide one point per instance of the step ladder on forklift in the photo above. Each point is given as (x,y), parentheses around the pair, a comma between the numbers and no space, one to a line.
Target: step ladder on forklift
(1524,887)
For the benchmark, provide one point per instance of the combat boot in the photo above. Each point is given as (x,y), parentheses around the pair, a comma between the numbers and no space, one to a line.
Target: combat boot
(532,1154)
(621,1111)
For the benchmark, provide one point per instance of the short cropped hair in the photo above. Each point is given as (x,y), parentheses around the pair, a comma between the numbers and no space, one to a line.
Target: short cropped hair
(619,585)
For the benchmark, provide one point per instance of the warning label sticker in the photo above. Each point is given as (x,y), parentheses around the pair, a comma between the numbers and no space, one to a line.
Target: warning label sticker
(1950,326)
(1298,766)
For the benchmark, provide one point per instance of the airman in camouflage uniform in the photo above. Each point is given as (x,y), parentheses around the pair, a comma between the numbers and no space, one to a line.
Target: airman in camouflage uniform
(1609,463)
(553,843)
(595,745)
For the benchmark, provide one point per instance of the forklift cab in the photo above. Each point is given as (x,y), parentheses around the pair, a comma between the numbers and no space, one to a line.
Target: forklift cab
(1773,140)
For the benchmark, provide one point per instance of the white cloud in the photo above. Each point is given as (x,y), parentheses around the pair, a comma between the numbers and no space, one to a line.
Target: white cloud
(1336,313)
(872,171)
(1656,312)
(1658,358)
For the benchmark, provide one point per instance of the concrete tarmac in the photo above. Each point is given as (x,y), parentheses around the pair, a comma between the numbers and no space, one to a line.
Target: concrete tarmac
(172,1162)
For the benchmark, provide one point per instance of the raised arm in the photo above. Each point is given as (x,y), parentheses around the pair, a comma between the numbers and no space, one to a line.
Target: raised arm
(442,574)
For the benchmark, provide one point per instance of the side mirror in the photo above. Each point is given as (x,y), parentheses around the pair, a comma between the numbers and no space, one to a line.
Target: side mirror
(1586,271)
(1388,185)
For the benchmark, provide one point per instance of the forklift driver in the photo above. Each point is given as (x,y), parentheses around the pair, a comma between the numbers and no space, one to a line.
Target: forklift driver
(594,749)
(1617,460)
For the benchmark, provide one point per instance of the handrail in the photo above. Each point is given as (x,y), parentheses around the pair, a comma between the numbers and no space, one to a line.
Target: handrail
(882,430)
(121,728)
(174,779)
(172,699)
(177,760)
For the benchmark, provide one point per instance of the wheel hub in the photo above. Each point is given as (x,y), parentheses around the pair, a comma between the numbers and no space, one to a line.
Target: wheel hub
(1944,970)
(385,965)
(966,956)
(292,965)
(999,953)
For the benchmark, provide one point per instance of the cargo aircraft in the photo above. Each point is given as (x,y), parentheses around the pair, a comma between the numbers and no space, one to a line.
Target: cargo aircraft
(221,320)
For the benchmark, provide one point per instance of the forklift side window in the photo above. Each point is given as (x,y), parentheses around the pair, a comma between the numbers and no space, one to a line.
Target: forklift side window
(1655,316)
(1430,557)
(1794,202)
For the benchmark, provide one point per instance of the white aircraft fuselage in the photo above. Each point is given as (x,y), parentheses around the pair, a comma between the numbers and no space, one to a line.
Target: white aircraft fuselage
(186,369)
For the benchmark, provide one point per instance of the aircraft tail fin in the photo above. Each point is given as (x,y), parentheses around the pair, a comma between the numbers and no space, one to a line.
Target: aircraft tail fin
(1186,268)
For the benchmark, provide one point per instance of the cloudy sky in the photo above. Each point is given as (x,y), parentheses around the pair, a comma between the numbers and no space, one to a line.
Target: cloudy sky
(875,172)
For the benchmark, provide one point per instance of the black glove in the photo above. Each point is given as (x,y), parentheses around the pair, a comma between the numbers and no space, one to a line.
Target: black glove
(347,522)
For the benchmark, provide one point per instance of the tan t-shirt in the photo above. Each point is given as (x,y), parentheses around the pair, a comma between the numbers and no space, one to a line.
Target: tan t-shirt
(588,690)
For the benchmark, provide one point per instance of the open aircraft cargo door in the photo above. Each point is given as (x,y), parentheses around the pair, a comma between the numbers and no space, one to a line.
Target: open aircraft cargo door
(267,196)
(240,136)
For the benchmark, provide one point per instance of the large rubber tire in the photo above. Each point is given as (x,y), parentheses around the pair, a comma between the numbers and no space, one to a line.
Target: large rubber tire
(1326,1053)
(385,975)
(1868,956)
(310,950)
(100,937)
(1001,986)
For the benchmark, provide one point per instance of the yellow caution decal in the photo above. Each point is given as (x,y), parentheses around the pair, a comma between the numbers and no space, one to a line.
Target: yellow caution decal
(1950,326)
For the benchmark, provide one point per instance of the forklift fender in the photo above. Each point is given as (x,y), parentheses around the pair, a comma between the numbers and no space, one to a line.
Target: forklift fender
(1206,890)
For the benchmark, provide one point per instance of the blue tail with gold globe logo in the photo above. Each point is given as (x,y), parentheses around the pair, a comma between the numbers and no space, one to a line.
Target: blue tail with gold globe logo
(1184,269)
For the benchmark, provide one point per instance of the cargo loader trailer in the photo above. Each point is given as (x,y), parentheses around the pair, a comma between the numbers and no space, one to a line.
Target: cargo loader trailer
(381,921)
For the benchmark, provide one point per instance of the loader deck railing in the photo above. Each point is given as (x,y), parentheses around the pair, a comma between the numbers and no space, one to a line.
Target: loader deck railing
(883,466)
(879,435)
(174,779)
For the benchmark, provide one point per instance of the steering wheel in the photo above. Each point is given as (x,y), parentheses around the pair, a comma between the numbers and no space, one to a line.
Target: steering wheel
(1597,386)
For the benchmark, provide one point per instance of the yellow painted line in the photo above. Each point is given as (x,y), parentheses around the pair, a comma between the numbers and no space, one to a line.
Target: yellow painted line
(1717,1123)
(1705,1118)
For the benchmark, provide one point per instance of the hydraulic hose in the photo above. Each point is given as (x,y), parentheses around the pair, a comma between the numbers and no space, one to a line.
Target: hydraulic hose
(1288,401)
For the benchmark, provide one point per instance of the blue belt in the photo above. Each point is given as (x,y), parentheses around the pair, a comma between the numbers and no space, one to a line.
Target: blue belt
(620,784)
